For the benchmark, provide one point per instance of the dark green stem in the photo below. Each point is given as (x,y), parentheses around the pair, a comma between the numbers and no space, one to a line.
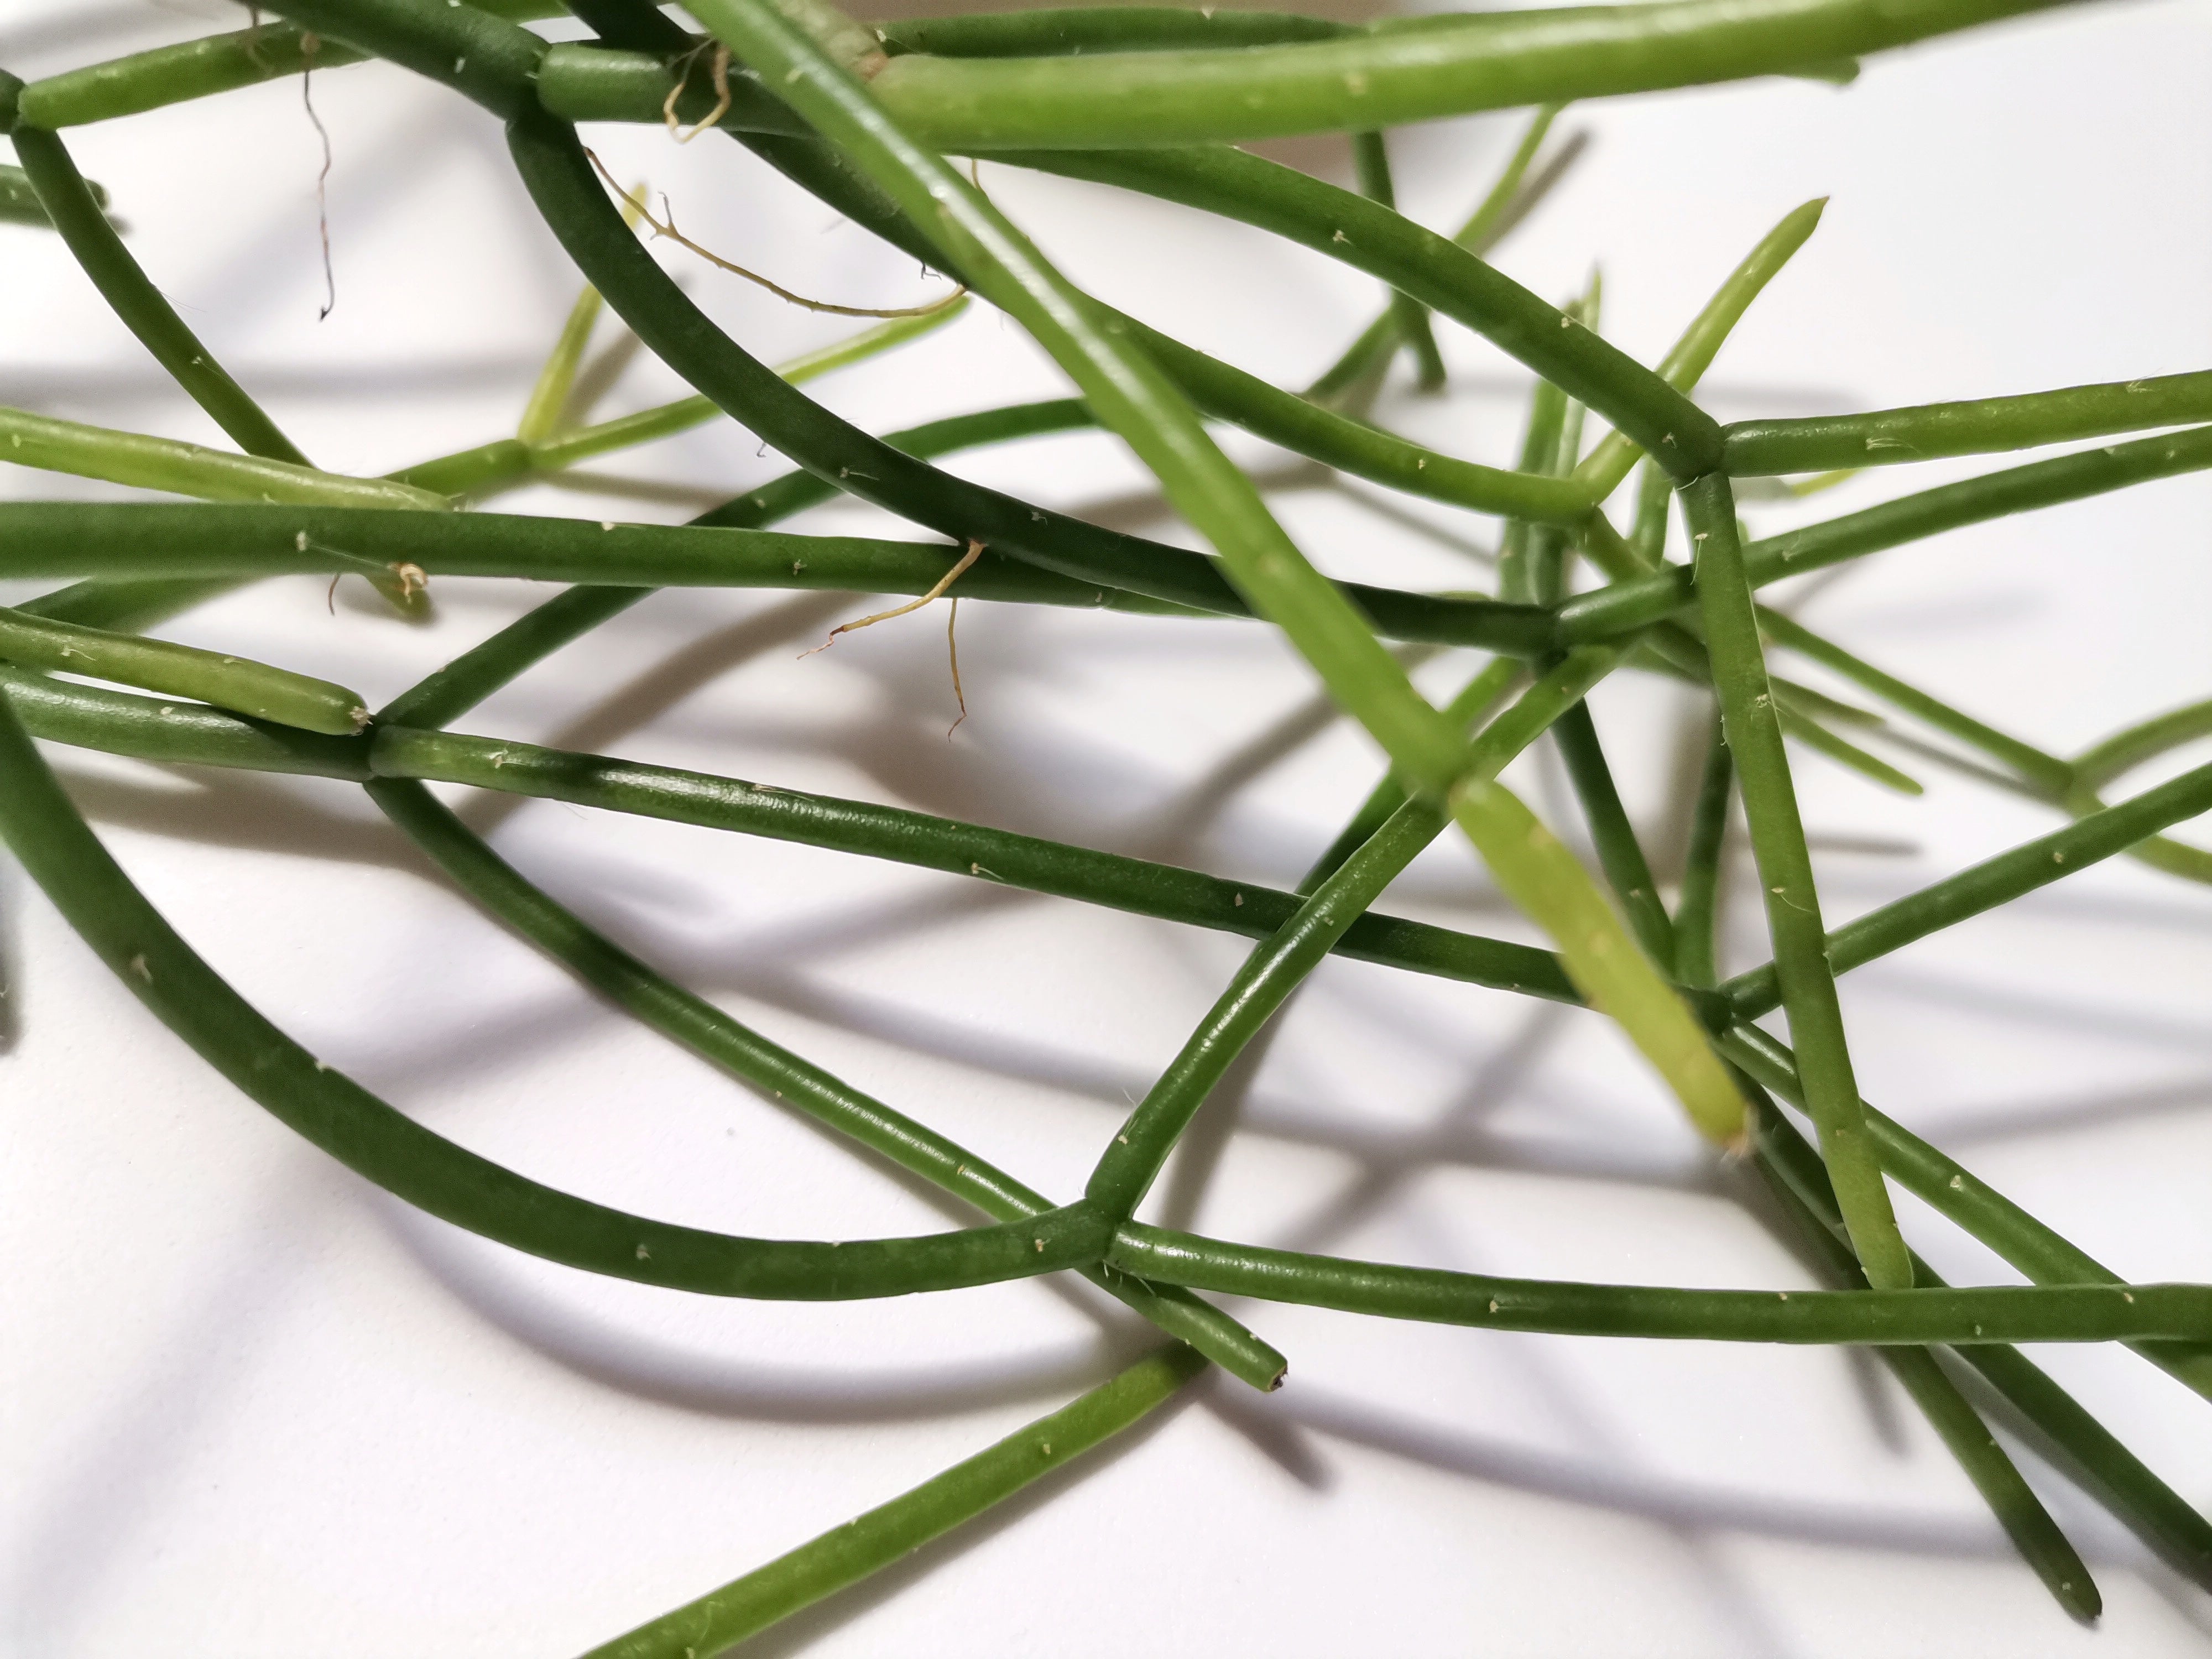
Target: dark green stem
(776,1072)
(76,215)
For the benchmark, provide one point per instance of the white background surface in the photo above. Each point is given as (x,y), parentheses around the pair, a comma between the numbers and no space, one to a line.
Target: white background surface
(249,1406)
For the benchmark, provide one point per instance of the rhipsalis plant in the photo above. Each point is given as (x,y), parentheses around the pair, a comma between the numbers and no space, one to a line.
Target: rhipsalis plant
(880,124)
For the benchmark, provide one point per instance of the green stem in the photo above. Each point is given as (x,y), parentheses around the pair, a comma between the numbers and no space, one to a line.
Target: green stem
(1540,441)
(19,197)
(549,396)
(867,1544)
(1475,699)
(1128,394)
(443,697)
(1992,883)
(75,212)
(2041,1544)
(2045,771)
(233,683)
(1613,974)
(1619,854)
(1977,1207)
(1785,876)
(1697,910)
(184,469)
(776,1072)
(199,69)
(1417,70)
(1640,602)
(1954,1318)
(1371,157)
(1059,32)
(1366,355)
(1138,1151)
(1655,497)
(70,539)
(118,723)
(1821,443)
(2124,750)
(424,1170)
(1268,976)
(2104,1468)
(1685,363)
(1431,269)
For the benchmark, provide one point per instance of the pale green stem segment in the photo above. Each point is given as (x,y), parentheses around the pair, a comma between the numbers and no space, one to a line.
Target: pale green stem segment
(1601,958)
(1475,699)
(2124,750)
(185,469)
(1819,442)
(475,473)
(548,398)
(868,1543)
(1785,876)
(1655,498)
(234,683)
(1415,69)
(1684,365)
(1130,394)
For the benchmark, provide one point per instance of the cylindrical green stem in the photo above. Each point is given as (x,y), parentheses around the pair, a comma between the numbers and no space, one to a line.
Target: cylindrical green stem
(1982,1212)
(430,1172)
(2087,1451)
(234,683)
(717,1622)
(1785,878)
(1416,70)
(118,723)
(1686,362)
(777,1073)
(1367,356)
(1432,269)
(1697,910)
(1954,1318)
(76,215)
(185,469)
(1821,443)
(1371,157)
(2041,1544)
(1994,881)
(1640,602)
